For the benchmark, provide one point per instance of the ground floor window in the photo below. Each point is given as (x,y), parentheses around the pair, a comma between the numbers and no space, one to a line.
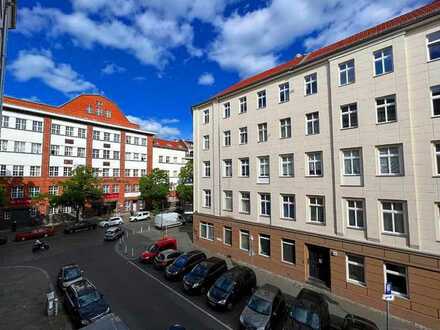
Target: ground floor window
(207,231)
(397,276)
(244,240)
(6,215)
(264,245)
(288,254)
(227,236)
(33,212)
(355,269)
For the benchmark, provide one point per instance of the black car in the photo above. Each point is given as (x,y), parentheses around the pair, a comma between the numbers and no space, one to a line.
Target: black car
(309,311)
(84,303)
(231,286)
(69,274)
(354,322)
(79,226)
(202,276)
(183,264)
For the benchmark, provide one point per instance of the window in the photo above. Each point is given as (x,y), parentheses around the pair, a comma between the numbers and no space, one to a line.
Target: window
(19,146)
(227,138)
(315,164)
(265,204)
(18,170)
(245,202)
(5,121)
(433,45)
(227,205)
(393,217)
(68,151)
(352,162)
(53,190)
(243,135)
(144,141)
(69,131)
(128,156)
(243,104)
(136,140)
(244,167)
(264,246)
(116,172)
(207,169)
(167,159)
(17,192)
(346,73)
(316,205)
(106,154)
(20,123)
(106,136)
(106,189)
(116,188)
(349,116)
(286,128)
(437,157)
(35,171)
(136,173)
(34,191)
(96,135)
(355,213)
(36,148)
(53,170)
(37,126)
(284,92)
(207,231)
(227,168)
(2,170)
(245,242)
(397,276)
(116,138)
(160,159)
(386,109)
(127,172)
(95,153)
(264,167)
(56,129)
(82,133)
(144,172)
(205,116)
(288,207)
(128,139)
(262,132)
(286,165)
(227,110)
(288,254)
(95,171)
(311,84)
(136,157)
(435,95)
(390,160)
(227,236)
(144,158)
(383,61)
(207,198)
(3,145)
(261,99)
(355,269)
(205,142)
(312,123)
(116,155)
(67,171)
(81,152)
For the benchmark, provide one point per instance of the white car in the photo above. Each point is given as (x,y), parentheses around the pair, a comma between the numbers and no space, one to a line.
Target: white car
(115,221)
(140,216)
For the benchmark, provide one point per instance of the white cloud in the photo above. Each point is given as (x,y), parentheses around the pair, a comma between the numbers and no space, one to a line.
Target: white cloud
(111,68)
(206,79)
(169,121)
(156,126)
(59,76)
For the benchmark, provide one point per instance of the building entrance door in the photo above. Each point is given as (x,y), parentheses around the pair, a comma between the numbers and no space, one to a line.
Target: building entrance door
(319,265)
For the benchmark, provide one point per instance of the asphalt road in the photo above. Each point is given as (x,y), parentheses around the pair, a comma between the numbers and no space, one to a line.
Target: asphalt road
(137,293)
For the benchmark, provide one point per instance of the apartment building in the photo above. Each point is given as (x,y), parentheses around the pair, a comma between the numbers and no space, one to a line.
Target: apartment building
(326,168)
(40,145)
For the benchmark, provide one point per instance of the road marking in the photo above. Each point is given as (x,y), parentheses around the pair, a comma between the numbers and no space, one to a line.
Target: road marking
(180,295)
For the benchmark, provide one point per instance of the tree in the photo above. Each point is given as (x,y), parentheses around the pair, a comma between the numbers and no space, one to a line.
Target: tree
(154,188)
(80,189)
(185,187)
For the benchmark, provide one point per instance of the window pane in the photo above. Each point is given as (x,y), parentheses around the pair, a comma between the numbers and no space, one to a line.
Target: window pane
(388,222)
(399,224)
(356,273)
(398,283)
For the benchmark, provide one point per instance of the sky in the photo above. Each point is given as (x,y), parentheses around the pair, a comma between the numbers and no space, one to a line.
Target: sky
(157,58)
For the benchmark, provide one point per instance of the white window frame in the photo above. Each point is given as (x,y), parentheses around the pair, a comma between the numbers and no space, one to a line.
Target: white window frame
(314,121)
(389,101)
(389,155)
(20,123)
(207,198)
(225,229)
(205,116)
(262,132)
(227,168)
(244,163)
(245,233)
(285,128)
(69,131)
(243,104)
(290,202)
(393,213)
(209,228)
(265,204)
(227,138)
(17,192)
(288,161)
(344,70)
(313,162)
(205,144)
(260,251)
(311,84)
(405,275)
(263,167)
(243,135)
(34,170)
(435,89)
(262,101)
(356,209)
(226,110)
(283,94)
(18,170)
(316,205)
(34,191)
(349,110)
(248,201)
(352,262)
(436,147)
(289,242)
(382,60)
(435,42)
(36,148)
(206,169)
(349,154)
(228,195)
(37,126)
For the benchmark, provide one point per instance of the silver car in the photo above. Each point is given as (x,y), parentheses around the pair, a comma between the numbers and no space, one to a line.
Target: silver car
(113,233)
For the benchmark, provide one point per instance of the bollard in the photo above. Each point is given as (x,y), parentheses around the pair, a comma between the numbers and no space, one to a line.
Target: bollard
(148,227)
(125,251)
(132,252)
(55,301)
(141,229)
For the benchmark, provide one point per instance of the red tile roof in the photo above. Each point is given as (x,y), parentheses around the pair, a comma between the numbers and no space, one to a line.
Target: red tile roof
(166,144)
(395,23)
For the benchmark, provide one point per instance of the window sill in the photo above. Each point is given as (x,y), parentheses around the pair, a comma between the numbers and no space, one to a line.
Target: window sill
(386,122)
(361,284)
(241,113)
(288,263)
(433,60)
(316,223)
(383,74)
(348,128)
(244,177)
(347,84)
(262,108)
(263,255)
(314,176)
(206,207)
(244,250)
(264,216)
(227,210)
(287,219)
(226,244)
(245,213)
(394,234)
(207,239)
(389,175)
(261,141)
(311,94)
(282,102)
(286,176)
(435,116)
(285,138)
(356,228)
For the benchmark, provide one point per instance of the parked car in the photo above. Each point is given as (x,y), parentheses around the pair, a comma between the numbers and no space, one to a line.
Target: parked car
(79,226)
(231,286)
(68,275)
(158,246)
(140,216)
(115,221)
(166,257)
(35,233)
(3,239)
(309,311)
(107,322)
(202,276)
(167,220)
(264,309)
(84,303)
(183,264)
(354,322)
(113,233)
(188,216)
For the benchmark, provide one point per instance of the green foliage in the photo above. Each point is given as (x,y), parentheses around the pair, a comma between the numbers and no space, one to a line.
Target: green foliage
(154,188)
(185,188)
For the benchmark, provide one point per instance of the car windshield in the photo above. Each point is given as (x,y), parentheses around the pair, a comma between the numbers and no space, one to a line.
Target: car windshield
(200,270)
(306,317)
(153,248)
(181,261)
(260,305)
(71,273)
(224,284)
(88,298)
(114,219)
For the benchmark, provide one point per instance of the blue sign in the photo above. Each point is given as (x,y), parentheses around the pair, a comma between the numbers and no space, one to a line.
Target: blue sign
(388,288)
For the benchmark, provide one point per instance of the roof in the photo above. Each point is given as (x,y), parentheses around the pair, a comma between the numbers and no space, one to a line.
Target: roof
(412,17)
(168,144)
(267,291)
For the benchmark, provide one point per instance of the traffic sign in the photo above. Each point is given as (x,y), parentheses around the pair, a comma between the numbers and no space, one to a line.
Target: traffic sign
(388,288)
(388,297)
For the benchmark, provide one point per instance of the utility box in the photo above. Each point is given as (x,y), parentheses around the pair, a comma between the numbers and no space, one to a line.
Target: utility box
(51,304)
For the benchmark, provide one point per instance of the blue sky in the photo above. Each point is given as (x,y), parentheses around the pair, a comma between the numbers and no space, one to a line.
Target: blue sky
(156,58)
